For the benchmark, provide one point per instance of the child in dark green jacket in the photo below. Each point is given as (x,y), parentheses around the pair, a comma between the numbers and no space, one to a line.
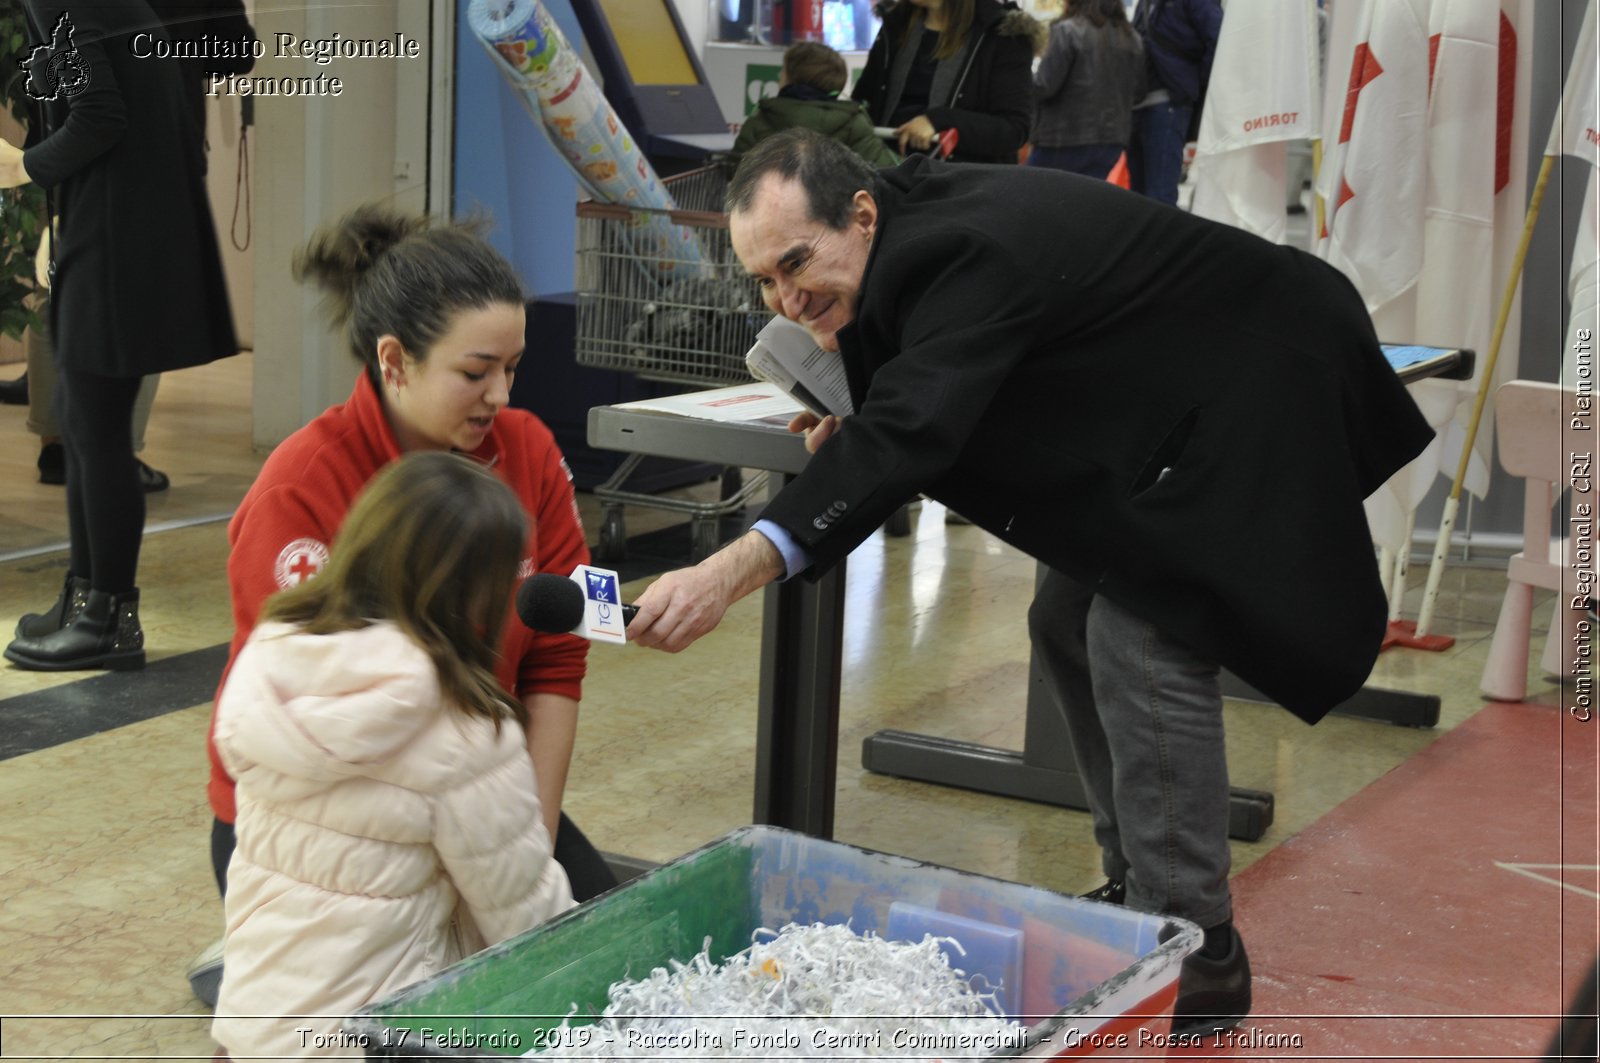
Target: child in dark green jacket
(812,77)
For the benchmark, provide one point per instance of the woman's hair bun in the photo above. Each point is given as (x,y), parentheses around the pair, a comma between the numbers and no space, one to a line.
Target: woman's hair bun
(338,254)
(388,273)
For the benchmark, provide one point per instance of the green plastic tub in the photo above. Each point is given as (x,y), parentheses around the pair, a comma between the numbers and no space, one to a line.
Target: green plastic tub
(1096,979)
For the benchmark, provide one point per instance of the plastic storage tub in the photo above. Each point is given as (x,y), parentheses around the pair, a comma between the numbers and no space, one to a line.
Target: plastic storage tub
(1097,980)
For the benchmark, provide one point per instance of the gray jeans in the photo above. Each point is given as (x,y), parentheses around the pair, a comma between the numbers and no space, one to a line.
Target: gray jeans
(1145,717)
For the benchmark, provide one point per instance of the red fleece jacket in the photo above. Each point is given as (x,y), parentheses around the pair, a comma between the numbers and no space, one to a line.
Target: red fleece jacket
(280,535)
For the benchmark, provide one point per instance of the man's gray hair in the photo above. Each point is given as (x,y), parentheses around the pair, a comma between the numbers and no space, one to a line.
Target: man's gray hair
(830,173)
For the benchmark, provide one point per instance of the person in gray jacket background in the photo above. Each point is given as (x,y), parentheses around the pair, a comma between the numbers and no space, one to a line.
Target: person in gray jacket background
(1085,88)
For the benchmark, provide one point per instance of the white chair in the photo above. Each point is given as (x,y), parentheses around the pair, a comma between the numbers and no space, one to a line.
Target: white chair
(1530,418)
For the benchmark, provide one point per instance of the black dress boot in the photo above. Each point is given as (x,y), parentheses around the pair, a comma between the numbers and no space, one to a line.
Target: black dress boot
(106,634)
(14,392)
(53,464)
(74,592)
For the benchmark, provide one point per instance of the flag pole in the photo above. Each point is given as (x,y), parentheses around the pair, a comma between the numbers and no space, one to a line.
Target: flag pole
(1316,197)
(1402,562)
(1452,505)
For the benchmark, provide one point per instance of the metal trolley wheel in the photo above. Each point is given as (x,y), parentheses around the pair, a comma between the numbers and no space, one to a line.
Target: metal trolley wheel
(613,546)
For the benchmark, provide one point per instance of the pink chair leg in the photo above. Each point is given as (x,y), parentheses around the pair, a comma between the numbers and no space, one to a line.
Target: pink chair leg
(1505,674)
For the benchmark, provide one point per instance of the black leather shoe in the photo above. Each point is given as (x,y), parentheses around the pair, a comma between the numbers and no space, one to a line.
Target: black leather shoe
(53,464)
(106,634)
(152,480)
(74,593)
(1113,892)
(1213,994)
(14,392)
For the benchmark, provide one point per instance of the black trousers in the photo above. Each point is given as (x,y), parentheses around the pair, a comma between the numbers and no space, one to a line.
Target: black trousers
(586,869)
(105,500)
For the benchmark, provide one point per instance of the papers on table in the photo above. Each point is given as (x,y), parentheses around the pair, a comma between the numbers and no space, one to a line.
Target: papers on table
(759,403)
(766,402)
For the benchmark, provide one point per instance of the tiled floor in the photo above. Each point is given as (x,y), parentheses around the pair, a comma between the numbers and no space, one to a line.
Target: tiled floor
(103,840)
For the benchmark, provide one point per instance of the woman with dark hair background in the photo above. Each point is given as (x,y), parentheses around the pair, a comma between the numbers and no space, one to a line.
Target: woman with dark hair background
(953,64)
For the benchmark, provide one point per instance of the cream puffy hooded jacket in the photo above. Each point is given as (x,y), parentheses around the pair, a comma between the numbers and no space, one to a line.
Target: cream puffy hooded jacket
(383,835)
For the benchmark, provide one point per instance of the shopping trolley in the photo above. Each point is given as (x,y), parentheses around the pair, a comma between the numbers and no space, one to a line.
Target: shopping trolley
(661,295)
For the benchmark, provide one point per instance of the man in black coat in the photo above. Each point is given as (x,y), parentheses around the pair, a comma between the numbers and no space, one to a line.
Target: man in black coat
(1179,419)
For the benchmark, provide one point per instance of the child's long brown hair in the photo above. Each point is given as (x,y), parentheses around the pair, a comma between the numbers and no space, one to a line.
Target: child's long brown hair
(432,545)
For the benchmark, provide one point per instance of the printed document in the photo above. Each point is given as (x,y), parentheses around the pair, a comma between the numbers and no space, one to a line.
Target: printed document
(786,355)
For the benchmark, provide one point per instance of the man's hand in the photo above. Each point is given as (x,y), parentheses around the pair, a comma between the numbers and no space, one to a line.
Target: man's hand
(817,429)
(12,173)
(681,606)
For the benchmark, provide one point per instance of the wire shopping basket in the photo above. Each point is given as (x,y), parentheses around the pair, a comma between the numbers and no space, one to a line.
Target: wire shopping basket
(661,295)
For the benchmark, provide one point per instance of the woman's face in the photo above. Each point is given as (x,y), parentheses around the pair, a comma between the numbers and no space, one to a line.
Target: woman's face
(448,400)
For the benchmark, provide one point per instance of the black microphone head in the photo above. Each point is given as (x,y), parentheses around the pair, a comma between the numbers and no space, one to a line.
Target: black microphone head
(548,602)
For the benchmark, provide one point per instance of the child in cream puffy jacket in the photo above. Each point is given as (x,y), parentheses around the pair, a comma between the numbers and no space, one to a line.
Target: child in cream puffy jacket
(388,819)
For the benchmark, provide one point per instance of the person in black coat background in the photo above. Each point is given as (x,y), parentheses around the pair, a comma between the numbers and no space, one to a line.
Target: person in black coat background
(1178,419)
(196,22)
(196,25)
(965,65)
(137,289)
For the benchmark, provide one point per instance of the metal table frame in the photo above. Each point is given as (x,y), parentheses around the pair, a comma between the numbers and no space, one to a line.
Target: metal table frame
(802,630)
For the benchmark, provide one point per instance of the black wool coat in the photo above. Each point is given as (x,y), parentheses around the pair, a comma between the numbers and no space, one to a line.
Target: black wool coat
(1173,411)
(139,286)
(992,101)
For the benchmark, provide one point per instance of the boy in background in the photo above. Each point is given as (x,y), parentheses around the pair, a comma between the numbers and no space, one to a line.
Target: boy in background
(809,84)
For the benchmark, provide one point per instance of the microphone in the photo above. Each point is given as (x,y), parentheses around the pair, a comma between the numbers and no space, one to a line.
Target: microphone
(551,603)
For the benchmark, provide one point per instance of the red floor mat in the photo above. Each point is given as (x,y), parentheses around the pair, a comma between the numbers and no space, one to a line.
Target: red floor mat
(1448,911)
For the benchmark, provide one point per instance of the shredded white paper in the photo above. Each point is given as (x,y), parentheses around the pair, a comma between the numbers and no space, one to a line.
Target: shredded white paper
(803,991)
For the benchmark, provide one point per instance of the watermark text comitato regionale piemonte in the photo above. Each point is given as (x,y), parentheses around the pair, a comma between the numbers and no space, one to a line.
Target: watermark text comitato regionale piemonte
(320,51)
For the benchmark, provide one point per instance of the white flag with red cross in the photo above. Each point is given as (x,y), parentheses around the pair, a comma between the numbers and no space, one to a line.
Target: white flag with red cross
(1574,131)
(1471,222)
(1478,135)
(1374,167)
(1263,92)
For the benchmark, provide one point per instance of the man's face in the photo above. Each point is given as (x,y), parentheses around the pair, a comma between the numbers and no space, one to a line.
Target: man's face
(809,273)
